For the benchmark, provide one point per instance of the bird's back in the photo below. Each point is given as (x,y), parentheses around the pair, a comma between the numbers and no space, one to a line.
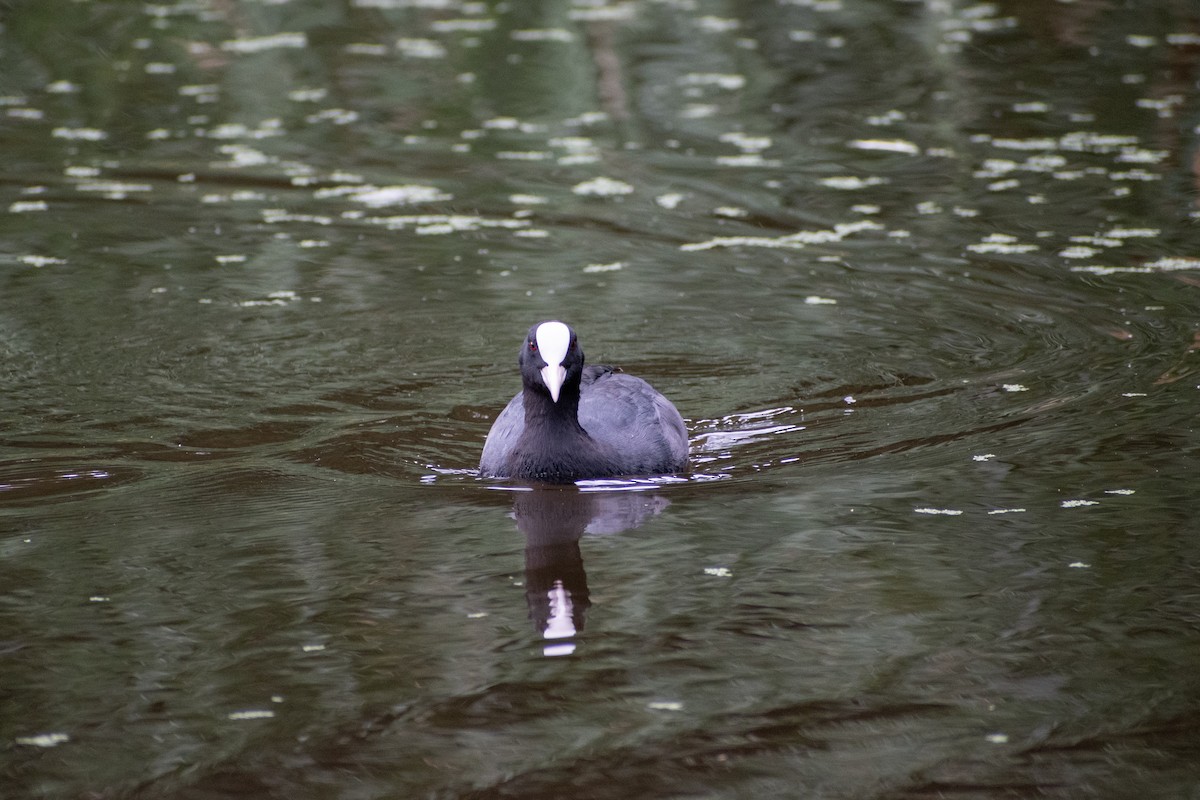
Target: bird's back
(637,421)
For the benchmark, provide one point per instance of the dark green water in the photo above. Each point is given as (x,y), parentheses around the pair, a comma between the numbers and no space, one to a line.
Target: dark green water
(923,277)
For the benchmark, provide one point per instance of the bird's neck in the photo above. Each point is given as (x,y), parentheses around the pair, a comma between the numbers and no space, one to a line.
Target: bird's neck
(541,411)
(554,447)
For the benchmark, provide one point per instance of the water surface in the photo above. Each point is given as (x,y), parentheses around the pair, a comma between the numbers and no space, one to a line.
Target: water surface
(922,277)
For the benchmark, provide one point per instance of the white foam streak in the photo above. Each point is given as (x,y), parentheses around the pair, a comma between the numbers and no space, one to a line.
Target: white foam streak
(721,440)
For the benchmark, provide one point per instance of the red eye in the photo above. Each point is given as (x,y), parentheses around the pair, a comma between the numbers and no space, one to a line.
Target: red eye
(532,346)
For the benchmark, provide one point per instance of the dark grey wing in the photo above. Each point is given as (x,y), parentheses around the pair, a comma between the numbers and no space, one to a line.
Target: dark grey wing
(500,439)
(674,431)
(629,415)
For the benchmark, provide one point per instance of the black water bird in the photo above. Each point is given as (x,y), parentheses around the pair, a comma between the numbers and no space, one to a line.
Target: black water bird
(572,422)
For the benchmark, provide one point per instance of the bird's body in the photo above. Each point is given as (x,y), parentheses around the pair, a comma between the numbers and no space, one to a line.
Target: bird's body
(572,422)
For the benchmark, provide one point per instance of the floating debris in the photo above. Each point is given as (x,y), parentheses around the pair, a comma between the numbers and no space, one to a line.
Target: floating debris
(732,212)
(79,134)
(1132,233)
(277,215)
(745,142)
(366,49)
(1167,264)
(114,190)
(886,146)
(889,117)
(720,80)
(748,160)
(613,267)
(464,25)
(257,44)
(1001,243)
(281,298)
(599,12)
(602,187)
(542,35)
(793,241)
(524,155)
(335,116)
(41,261)
(433,224)
(251,714)
(308,95)
(1137,155)
(699,111)
(1001,186)
(381,196)
(43,740)
(1040,143)
(665,705)
(1100,143)
(420,48)
(851,183)
(714,24)
(669,201)
(243,156)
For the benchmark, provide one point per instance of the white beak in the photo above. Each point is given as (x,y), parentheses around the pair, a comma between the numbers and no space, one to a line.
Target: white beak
(553,376)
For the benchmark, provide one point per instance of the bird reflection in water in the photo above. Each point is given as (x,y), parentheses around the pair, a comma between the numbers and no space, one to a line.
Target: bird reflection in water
(553,521)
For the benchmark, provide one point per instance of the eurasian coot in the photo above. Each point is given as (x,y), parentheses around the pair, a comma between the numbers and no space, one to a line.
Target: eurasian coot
(572,422)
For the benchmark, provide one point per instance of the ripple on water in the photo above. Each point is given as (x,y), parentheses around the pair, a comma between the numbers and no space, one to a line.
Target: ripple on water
(54,479)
